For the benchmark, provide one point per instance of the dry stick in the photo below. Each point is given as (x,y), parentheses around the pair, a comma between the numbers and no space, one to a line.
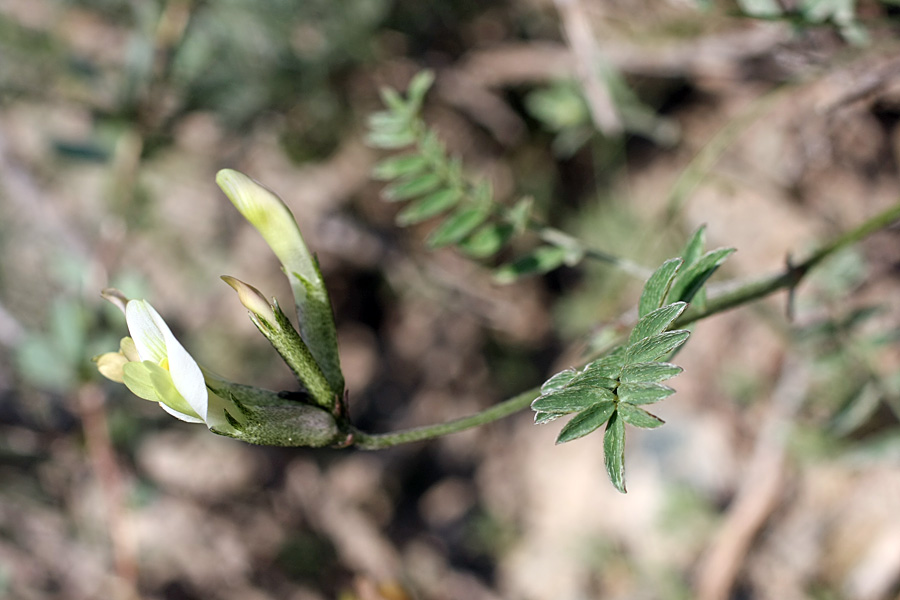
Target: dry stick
(576,25)
(759,491)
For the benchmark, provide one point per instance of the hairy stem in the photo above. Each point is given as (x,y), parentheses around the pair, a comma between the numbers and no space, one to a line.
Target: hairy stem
(744,294)
(368,441)
(792,275)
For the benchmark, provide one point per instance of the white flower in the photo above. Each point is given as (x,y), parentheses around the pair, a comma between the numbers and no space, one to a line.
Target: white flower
(155,366)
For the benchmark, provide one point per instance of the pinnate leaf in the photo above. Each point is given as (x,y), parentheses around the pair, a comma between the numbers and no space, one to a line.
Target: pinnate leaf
(638,417)
(586,422)
(657,287)
(614,451)
(655,347)
(656,321)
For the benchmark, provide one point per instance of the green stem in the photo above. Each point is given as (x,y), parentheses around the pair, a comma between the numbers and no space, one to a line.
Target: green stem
(744,294)
(367,441)
(791,276)
(559,238)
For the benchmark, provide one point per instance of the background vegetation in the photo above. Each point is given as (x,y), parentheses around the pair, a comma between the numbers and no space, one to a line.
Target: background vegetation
(775,125)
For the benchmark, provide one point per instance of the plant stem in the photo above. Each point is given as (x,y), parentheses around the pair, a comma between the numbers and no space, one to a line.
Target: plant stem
(791,277)
(559,238)
(744,294)
(366,441)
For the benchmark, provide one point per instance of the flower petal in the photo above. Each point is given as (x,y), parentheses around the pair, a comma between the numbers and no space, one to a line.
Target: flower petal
(155,342)
(271,216)
(136,376)
(110,365)
(187,376)
(180,416)
(129,350)
(149,381)
(143,325)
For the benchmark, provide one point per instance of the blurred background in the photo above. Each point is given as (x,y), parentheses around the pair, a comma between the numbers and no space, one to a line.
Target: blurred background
(775,124)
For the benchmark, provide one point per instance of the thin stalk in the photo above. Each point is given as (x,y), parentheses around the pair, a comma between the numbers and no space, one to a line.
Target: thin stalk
(366,441)
(791,277)
(559,238)
(744,294)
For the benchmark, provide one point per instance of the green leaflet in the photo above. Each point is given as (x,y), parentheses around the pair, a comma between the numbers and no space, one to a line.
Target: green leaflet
(643,393)
(614,451)
(457,226)
(694,248)
(391,139)
(692,278)
(655,347)
(540,260)
(399,166)
(657,287)
(429,206)
(541,418)
(558,381)
(649,372)
(656,321)
(411,187)
(572,399)
(418,87)
(638,417)
(488,240)
(586,422)
(609,365)
(593,379)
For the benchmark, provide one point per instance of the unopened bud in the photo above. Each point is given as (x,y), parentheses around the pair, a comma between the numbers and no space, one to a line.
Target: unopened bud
(252,299)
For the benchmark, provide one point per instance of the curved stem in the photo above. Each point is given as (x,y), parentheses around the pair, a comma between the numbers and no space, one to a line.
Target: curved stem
(744,294)
(367,441)
(791,276)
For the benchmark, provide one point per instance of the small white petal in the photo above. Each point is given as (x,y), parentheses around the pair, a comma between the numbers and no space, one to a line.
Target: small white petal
(155,341)
(179,415)
(143,325)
